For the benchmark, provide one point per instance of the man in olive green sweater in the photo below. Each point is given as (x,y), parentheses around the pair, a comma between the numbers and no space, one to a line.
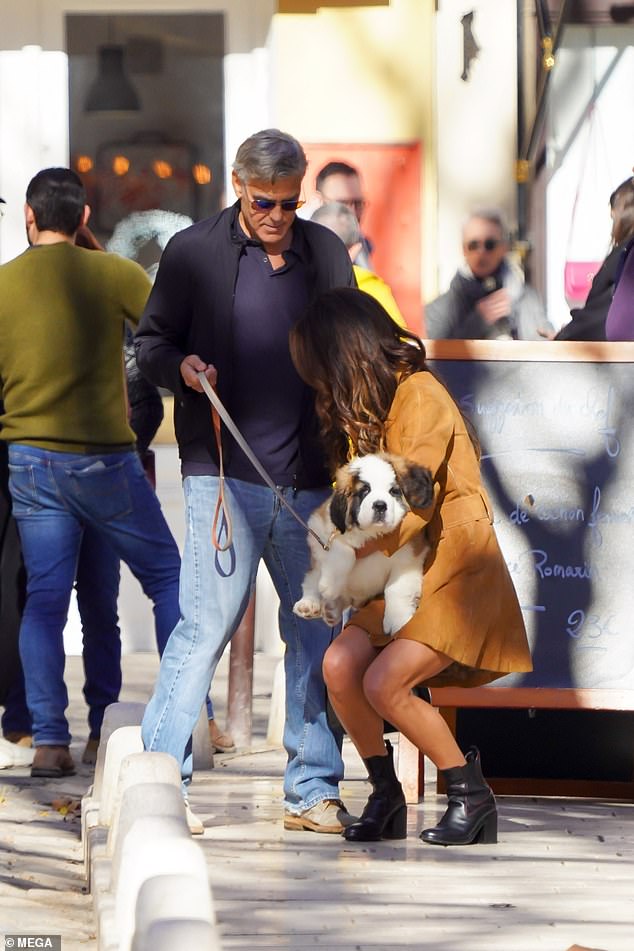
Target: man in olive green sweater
(72,459)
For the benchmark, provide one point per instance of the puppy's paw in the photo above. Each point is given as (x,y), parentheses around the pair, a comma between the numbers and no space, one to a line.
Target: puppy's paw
(307,608)
(332,611)
(395,619)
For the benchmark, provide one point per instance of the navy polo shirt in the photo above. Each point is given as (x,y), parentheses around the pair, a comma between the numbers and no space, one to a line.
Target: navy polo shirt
(267,393)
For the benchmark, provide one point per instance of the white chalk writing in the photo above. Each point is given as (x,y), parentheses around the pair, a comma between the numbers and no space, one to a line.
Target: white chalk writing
(587,629)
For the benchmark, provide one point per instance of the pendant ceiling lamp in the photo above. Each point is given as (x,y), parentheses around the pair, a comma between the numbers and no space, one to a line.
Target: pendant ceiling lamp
(112,90)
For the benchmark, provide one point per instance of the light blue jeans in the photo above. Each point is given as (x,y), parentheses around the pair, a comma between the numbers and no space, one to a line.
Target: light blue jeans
(214,592)
(54,495)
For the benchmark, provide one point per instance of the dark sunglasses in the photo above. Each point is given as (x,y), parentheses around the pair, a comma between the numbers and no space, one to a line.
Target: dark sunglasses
(489,244)
(267,204)
(358,204)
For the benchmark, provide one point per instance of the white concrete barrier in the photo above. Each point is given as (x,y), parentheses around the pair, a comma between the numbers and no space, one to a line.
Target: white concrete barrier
(116,715)
(171,897)
(169,935)
(123,742)
(144,799)
(148,878)
(140,767)
(154,845)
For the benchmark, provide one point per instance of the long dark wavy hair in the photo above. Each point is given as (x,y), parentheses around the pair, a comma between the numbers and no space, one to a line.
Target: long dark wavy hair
(351,352)
(622,205)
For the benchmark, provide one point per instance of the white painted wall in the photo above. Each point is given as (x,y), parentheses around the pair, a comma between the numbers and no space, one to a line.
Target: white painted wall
(475,122)
(366,75)
(33,130)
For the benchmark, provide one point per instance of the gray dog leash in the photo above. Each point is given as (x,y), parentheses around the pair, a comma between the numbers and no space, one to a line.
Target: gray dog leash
(219,407)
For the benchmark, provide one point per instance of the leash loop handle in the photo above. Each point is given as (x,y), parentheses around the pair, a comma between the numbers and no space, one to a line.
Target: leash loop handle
(219,412)
(222,515)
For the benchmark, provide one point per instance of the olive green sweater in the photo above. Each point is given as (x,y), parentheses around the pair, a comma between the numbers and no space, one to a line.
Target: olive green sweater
(62,319)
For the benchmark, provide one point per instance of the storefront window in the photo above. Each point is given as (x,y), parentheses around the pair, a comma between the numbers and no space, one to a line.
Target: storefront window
(146,124)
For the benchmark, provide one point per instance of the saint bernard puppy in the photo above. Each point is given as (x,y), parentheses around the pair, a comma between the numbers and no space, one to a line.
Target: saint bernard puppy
(372,495)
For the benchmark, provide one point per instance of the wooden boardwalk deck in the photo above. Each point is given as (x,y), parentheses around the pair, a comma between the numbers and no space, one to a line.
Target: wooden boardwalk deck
(562,872)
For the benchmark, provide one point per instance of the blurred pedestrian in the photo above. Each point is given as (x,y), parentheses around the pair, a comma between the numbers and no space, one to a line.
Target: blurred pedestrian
(341,182)
(488,298)
(340,219)
(620,320)
(71,451)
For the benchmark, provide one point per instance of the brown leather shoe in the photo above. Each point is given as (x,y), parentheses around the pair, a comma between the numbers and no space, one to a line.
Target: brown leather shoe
(52,762)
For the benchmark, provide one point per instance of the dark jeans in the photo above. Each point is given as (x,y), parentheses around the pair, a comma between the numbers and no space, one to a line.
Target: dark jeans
(97,587)
(55,497)
(12,594)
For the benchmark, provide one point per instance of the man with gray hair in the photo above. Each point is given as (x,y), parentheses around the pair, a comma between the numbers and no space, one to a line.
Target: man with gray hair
(488,297)
(227,292)
(343,221)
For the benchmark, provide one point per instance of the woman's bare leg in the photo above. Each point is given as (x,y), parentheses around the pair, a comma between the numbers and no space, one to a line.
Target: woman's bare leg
(345,664)
(387,685)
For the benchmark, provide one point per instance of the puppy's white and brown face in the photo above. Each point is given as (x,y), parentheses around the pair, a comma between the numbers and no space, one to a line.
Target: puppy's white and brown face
(374,492)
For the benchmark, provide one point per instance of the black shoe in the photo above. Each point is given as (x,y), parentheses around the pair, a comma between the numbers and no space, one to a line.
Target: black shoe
(471,815)
(385,813)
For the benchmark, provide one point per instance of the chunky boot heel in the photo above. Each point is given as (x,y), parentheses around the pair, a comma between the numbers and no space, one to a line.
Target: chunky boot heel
(396,827)
(488,834)
(385,813)
(471,814)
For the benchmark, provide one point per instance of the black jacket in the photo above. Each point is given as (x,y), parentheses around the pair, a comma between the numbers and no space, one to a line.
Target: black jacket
(190,310)
(588,322)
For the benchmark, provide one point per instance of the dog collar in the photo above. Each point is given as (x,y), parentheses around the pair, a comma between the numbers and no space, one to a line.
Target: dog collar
(332,537)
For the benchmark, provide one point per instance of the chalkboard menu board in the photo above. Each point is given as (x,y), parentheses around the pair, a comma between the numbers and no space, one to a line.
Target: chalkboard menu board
(557,442)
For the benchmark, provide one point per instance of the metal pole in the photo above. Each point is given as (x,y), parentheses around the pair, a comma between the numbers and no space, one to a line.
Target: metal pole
(529,147)
(240,688)
(521,120)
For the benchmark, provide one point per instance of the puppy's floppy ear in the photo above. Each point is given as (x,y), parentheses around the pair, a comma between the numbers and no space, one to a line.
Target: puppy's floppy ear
(339,510)
(340,500)
(416,482)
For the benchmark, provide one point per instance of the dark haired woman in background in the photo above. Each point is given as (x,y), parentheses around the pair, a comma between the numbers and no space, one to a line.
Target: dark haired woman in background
(374,392)
(589,322)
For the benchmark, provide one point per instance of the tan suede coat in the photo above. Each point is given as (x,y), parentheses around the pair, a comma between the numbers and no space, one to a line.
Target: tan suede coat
(469,609)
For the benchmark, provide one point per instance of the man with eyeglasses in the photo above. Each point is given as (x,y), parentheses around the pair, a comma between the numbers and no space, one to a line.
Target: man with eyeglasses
(488,297)
(227,292)
(340,182)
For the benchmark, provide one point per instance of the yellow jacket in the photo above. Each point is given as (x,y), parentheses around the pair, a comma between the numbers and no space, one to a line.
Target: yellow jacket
(372,284)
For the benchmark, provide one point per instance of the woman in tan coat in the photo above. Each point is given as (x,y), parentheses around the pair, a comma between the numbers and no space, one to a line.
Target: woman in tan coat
(374,392)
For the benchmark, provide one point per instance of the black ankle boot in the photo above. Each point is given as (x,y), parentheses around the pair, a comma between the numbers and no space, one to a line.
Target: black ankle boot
(385,813)
(471,815)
